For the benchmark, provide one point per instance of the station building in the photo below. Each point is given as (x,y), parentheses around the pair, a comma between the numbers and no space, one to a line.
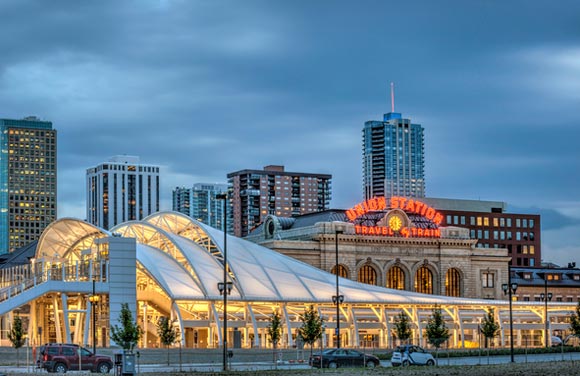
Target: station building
(170,265)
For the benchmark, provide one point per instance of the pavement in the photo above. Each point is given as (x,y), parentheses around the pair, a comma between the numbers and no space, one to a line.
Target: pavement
(295,365)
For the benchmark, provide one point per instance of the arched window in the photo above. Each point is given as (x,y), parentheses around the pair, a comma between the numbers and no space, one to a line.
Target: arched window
(396,278)
(453,283)
(341,271)
(424,280)
(368,275)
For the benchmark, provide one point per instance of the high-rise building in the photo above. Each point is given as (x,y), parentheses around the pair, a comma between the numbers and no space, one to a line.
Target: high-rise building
(495,227)
(121,190)
(27,180)
(200,203)
(256,193)
(393,158)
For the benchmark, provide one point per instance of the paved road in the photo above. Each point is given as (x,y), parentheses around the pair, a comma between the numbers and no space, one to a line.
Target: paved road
(256,366)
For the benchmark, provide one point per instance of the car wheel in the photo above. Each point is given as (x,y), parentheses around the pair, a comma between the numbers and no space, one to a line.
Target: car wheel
(60,368)
(371,364)
(405,363)
(332,365)
(103,368)
(430,362)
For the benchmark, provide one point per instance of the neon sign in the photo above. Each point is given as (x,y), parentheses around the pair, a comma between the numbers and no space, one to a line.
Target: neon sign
(396,222)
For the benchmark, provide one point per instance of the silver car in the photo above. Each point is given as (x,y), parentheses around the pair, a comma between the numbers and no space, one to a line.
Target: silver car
(406,355)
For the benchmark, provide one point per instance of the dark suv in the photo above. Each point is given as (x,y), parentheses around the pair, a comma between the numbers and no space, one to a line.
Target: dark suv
(61,357)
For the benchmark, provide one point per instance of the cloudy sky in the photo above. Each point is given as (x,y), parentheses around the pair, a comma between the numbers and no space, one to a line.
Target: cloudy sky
(204,88)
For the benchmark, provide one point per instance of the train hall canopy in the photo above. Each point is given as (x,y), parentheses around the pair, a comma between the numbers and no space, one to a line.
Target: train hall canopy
(171,265)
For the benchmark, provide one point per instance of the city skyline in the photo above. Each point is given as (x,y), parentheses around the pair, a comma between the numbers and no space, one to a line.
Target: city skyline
(204,89)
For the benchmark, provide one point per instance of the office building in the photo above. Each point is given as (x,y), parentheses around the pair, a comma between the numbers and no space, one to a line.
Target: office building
(393,158)
(121,190)
(27,180)
(494,227)
(258,193)
(200,203)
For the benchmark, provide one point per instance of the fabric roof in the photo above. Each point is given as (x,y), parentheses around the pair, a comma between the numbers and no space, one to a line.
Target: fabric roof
(185,257)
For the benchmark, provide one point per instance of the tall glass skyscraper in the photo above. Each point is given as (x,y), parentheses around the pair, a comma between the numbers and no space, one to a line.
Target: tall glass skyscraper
(393,158)
(27,180)
(200,203)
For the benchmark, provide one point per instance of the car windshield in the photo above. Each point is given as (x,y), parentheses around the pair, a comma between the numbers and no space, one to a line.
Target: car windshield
(328,351)
(85,352)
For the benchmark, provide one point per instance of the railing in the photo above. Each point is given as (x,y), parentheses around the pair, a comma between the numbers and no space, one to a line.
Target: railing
(41,272)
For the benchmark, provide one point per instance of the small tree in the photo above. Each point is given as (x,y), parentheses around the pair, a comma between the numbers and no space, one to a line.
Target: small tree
(274,331)
(436,330)
(311,329)
(16,336)
(489,327)
(403,326)
(129,333)
(166,332)
(575,321)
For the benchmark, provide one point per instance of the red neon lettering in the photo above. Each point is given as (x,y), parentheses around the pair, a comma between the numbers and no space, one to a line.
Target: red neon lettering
(351,215)
(382,203)
(438,219)
(411,206)
(405,232)
(430,213)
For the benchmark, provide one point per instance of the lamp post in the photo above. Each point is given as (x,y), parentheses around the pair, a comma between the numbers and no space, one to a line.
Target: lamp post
(225,287)
(94,299)
(337,299)
(545,296)
(510,288)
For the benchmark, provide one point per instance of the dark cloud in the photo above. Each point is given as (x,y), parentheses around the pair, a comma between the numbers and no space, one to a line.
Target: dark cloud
(205,88)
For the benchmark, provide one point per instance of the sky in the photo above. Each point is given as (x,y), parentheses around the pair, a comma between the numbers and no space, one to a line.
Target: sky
(204,88)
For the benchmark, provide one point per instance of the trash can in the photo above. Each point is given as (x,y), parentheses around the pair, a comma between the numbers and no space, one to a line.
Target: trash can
(118,363)
(128,364)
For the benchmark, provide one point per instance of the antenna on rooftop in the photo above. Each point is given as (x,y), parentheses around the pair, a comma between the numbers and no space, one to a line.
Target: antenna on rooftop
(392,97)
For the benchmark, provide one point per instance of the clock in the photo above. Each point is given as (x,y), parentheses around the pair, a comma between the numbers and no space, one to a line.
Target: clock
(395,222)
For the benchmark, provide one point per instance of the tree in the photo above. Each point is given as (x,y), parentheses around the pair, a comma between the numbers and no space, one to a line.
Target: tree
(311,329)
(403,326)
(489,327)
(166,332)
(274,331)
(16,336)
(575,321)
(436,330)
(129,333)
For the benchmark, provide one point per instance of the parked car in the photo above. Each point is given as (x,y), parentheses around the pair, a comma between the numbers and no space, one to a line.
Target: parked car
(572,340)
(334,358)
(406,355)
(62,357)
(556,341)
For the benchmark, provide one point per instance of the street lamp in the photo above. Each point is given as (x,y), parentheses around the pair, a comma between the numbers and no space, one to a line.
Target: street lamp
(94,299)
(545,296)
(510,288)
(337,299)
(225,287)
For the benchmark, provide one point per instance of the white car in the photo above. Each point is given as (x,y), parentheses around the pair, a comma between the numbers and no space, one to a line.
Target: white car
(406,355)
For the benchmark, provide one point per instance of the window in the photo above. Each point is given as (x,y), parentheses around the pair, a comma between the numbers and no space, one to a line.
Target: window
(486,221)
(486,234)
(495,235)
(396,278)
(531,223)
(455,220)
(518,236)
(424,280)
(496,222)
(524,223)
(509,222)
(502,222)
(472,234)
(479,221)
(472,221)
(532,236)
(453,283)
(449,220)
(341,271)
(487,280)
(462,219)
(367,274)
(518,222)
